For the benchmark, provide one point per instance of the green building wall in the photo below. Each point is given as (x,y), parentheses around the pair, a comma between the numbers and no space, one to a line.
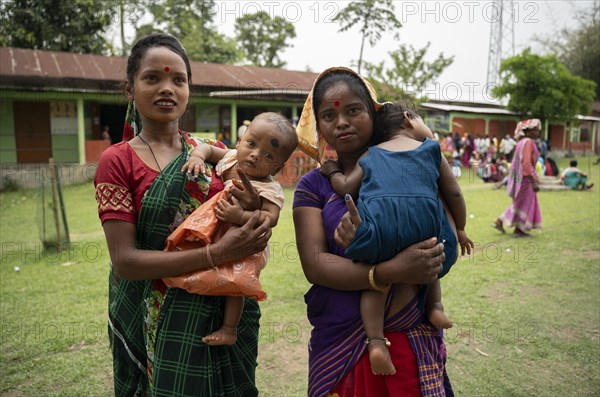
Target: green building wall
(8,143)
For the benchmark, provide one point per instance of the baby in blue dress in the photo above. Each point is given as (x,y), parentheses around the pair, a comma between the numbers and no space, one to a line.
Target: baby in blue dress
(399,183)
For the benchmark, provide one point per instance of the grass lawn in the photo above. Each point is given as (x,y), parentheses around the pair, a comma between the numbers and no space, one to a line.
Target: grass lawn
(526,311)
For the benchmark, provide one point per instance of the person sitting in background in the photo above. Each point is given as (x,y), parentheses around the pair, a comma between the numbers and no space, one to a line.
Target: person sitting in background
(242,129)
(221,137)
(490,172)
(448,144)
(551,167)
(106,133)
(508,147)
(456,165)
(503,168)
(476,164)
(574,177)
(540,166)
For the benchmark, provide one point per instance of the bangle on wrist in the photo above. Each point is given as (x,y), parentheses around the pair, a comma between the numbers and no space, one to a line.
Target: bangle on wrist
(372,280)
(332,173)
(209,257)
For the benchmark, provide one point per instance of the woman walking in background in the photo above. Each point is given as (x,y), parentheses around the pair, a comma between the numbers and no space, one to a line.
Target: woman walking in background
(524,212)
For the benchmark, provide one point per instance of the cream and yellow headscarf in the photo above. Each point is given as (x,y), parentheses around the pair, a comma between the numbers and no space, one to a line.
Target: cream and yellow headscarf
(526,125)
(309,140)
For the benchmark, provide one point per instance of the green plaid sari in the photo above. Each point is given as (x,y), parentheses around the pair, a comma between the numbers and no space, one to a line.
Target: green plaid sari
(156,331)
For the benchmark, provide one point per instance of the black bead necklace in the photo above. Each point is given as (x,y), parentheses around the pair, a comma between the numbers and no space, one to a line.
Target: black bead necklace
(151,151)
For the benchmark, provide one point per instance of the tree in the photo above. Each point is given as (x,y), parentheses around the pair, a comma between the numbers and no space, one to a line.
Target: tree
(542,87)
(262,38)
(207,45)
(408,76)
(56,25)
(129,11)
(191,21)
(373,17)
(579,48)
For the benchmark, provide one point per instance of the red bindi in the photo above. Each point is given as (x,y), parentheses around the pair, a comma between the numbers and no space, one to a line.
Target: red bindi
(166,68)
(336,103)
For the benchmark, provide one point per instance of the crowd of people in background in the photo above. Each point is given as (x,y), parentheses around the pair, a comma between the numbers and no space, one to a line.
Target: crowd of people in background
(490,157)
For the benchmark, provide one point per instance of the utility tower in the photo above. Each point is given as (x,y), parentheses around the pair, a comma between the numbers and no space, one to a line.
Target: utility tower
(502,38)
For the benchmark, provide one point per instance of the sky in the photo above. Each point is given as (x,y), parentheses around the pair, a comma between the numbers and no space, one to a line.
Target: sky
(454,28)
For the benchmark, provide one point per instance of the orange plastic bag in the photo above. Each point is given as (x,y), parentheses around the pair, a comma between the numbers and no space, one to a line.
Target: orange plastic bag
(238,278)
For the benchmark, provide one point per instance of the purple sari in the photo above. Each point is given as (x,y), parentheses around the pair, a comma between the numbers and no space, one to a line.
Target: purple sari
(337,339)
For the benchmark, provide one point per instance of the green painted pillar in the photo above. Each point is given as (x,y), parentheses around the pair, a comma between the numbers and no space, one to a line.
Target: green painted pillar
(234,123)
(594,132)
(487,126)
(294,112)
(81,130)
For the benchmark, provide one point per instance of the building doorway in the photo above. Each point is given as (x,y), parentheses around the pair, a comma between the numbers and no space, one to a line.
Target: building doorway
(32,131)
(114,117)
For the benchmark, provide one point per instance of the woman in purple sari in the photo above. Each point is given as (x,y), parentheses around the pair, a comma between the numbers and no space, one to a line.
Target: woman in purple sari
(524,212)
(340,111)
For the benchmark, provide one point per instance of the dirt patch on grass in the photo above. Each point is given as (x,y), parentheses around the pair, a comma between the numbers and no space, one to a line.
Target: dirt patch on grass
(533,291)
(283,361)
(592,255)
(498,291)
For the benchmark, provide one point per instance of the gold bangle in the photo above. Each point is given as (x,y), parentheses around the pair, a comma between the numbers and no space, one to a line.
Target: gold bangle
(209,257)
(372,280)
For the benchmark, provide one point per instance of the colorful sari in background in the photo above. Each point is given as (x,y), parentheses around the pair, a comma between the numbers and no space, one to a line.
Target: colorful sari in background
(524,212)
(338,365)
(155,331)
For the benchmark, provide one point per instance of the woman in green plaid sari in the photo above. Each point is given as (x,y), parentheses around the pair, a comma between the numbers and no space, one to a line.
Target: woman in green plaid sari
(142,196)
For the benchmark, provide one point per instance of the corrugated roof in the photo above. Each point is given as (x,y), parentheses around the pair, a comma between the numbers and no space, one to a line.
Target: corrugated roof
(467,109)
(18,62)
(31,68)
(588,118)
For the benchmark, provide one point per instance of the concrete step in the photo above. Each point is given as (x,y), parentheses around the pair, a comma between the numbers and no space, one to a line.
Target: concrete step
(551,184)
(549,180)
(553,187)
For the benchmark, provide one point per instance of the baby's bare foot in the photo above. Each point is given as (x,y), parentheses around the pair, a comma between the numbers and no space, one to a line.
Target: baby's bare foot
(224,336)
(381,362)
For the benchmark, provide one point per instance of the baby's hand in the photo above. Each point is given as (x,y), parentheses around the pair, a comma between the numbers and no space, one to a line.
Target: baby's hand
(230,213)
(195,165)
(465,242)
(329,166)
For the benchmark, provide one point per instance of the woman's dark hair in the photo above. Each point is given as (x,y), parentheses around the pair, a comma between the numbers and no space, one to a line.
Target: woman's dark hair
(390,118)
(353,82)
(155,40)
(573,163)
